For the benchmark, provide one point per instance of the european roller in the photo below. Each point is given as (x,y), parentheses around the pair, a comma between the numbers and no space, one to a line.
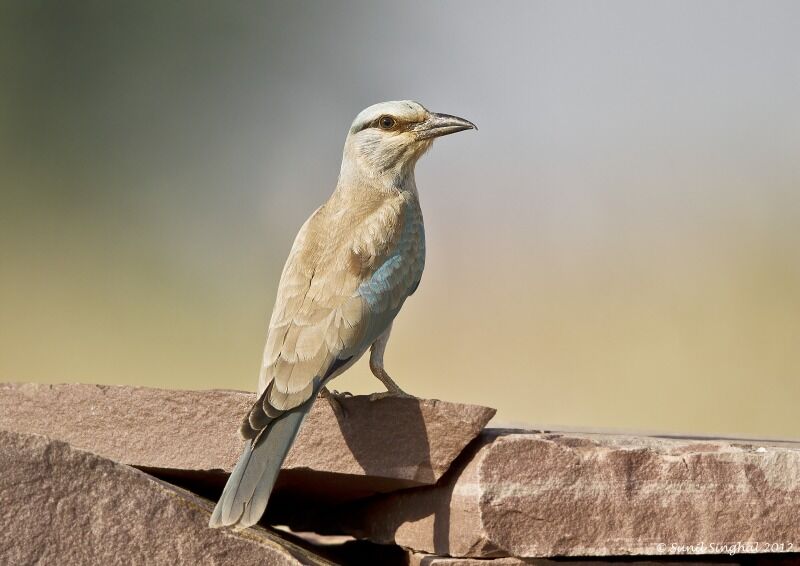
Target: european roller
(352,266)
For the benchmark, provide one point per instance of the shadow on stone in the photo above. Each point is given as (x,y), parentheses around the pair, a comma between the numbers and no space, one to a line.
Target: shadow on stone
(403,442)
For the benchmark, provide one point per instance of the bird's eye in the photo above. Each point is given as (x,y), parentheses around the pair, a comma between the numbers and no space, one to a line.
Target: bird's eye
(386,122)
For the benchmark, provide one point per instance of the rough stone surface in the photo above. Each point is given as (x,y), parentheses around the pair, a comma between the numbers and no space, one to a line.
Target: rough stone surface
(197,431)
(66,506)
(418,559)
(550,494)
(511,498)
(421,559)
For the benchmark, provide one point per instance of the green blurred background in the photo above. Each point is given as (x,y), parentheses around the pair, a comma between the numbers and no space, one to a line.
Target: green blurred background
(618,246)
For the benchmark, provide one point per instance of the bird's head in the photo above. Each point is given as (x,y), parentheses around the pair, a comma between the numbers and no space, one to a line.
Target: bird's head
(386,139)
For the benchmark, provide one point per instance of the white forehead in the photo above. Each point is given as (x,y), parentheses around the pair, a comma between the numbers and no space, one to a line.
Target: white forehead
(407,110)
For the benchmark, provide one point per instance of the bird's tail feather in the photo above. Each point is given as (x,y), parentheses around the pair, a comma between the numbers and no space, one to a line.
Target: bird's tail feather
(246,494)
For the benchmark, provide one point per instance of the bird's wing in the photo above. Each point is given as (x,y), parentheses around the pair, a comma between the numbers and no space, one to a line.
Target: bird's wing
(349,271)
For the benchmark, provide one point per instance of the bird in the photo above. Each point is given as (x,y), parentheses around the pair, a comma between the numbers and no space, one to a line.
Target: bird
(353,264)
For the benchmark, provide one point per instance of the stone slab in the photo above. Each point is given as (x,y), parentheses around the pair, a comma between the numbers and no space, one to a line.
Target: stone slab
(417,559)
(567,495)
(191,437)
(60,505)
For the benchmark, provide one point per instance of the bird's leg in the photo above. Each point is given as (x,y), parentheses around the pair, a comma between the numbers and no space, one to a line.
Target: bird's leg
(334,398)
(376,365)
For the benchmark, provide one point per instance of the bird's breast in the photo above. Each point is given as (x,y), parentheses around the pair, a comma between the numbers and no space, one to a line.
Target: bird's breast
(397,271)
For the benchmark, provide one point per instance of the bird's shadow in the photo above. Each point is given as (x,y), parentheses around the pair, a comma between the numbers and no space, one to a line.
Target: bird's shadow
(395,429)
(391,442)
(388,434)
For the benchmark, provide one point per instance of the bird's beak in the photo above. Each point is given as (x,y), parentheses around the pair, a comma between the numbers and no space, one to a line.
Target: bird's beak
(436,125)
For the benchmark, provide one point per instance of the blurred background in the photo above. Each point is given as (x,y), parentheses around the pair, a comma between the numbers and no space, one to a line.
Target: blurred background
(618,246)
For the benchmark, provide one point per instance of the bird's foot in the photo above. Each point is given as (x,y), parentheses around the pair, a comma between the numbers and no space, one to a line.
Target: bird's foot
(334,399)
(397,394)
(392,389)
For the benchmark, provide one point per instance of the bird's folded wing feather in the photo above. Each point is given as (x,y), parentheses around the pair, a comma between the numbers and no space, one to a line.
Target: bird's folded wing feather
(349,271)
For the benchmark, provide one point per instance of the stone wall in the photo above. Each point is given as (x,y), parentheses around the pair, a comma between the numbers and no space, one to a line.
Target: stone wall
(122,475)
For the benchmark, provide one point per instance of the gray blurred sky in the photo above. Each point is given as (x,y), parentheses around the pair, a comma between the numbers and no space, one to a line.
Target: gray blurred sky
(618,245)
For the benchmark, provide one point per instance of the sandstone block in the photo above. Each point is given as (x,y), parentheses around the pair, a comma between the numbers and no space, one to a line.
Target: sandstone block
(417,559)
(561,495)
(66,506)
(194,434)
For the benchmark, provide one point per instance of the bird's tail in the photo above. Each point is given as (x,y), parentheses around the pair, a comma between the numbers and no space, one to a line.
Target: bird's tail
(245,496)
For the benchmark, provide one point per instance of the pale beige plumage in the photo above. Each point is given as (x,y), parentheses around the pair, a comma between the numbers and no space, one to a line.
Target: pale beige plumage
(351,267)
(319,314)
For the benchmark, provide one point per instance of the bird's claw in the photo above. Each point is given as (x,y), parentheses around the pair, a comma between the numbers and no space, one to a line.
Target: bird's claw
(334,399)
